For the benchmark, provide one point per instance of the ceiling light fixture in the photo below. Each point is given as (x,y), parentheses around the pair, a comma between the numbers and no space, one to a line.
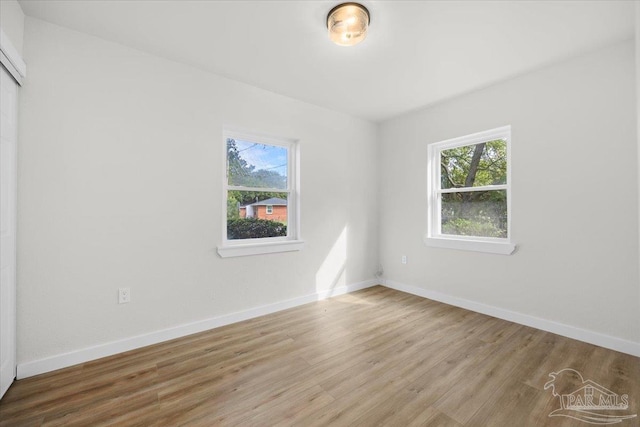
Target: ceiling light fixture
(348,24)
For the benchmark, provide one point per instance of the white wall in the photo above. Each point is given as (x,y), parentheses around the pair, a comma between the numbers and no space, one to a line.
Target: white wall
(575,196)
(637,28)
(12,22)
(120,185)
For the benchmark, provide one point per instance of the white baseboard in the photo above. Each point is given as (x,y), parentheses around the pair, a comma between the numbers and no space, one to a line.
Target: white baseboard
(75,357)
(64,360)
(579,334)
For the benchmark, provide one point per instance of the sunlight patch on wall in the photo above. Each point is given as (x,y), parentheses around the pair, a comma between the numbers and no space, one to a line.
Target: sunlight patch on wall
(331,273)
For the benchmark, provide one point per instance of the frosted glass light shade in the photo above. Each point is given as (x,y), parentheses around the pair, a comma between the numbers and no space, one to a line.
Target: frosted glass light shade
(348,23)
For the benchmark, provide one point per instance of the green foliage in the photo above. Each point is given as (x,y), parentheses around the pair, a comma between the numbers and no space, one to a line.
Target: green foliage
(456,165)
(485,215)
(496,197)
(233,207)
(477,227)
(253,228)
(237,167)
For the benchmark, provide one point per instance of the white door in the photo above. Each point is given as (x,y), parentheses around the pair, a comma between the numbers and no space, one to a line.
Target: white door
(8,145)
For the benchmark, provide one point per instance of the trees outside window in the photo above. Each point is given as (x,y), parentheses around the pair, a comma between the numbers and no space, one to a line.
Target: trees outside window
(469,188)
(465,209)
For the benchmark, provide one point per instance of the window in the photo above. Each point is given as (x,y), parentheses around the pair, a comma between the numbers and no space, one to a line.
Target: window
(470,193)
(260,190)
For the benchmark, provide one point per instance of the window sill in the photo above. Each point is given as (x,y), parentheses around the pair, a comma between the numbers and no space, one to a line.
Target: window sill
(259,248)
(502,248)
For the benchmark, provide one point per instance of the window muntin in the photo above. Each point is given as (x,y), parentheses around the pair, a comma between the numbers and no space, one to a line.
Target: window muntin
(260,173)
(469,188)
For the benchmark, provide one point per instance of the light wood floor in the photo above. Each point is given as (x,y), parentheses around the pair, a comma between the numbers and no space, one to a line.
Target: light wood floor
(374,357)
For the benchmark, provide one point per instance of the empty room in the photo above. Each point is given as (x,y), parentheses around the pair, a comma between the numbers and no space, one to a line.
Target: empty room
(315,213)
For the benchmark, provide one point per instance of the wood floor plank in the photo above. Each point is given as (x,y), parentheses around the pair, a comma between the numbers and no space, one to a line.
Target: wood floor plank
(511,404)
(294,412)
(78,396)
(376,357)
(432,417)
(468,394)
(565,353)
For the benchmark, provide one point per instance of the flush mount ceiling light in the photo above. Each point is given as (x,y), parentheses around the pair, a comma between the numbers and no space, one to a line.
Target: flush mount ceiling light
(348,24)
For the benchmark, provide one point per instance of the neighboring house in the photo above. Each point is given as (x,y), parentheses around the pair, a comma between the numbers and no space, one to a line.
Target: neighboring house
(273,209)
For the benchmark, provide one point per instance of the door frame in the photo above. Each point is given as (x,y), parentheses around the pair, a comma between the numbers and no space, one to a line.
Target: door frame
(12,70)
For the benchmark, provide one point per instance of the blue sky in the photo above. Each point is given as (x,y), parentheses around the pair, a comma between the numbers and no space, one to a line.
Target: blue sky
(262,156)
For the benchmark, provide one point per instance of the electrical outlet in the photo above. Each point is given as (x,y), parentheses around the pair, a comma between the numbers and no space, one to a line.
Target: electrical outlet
(404,259)
(124,295)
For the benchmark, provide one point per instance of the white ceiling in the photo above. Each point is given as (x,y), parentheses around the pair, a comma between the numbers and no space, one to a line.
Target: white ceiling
(416,54)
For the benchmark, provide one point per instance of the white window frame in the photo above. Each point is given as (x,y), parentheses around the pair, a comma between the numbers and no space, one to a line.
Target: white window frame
(434,236)
(269,210)
(288,243)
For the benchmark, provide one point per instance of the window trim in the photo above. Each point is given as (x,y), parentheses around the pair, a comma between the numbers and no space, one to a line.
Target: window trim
(434,236)
(291,242)
(269,210)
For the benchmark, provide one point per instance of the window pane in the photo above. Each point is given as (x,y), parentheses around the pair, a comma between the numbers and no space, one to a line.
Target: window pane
(474,165)
(475,213)
(248,214)
(250,164)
